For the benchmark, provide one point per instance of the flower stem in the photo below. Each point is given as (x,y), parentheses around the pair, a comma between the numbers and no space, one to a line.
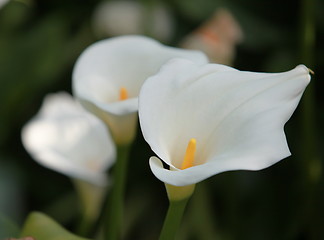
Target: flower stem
(173,219)
(311,162)
(112,228)
(91,197)
(310,150)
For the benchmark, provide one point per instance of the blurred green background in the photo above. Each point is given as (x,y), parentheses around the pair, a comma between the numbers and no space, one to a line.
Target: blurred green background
(39,44)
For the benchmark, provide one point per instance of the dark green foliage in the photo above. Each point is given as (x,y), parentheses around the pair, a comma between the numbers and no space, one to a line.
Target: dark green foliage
(39,44)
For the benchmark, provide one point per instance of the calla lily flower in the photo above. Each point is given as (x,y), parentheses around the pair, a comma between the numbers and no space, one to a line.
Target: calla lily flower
(109,74)
(217,37)
(66,138)
(3,2)
(202,120)
(124,17)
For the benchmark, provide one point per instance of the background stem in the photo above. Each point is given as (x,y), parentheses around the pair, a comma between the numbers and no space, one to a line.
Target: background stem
(91,198)
(310,157)
(201,207)
(310,150)
(112,227)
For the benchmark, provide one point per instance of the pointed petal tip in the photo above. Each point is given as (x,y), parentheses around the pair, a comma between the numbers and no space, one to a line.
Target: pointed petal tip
(305,69)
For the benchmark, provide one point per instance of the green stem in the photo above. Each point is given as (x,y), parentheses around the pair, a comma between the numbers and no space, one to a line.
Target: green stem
(309,133)
(311,162)
(115,204)
(91,197)
(173,219)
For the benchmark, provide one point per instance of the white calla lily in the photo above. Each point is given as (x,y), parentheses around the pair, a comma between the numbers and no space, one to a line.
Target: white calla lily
(217,37)
(124,17)
(232,119)
(66,138)
(109,74)
(3,2)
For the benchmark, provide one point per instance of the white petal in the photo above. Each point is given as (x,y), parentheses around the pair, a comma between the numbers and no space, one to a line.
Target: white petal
(66,138)
(127,61)
(3,2)
(58,104)
(115,18)
(122,127)
(236,117)
(124,61)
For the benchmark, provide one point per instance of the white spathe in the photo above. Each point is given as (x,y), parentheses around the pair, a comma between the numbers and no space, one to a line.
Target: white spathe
(217,37)
(121,62)
(66,138)
(124,17)
(236,117)
(3,2)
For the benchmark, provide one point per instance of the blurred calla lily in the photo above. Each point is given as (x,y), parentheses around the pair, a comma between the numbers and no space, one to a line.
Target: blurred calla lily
(124,17)
(68,139)
(205,119)
(217,37)
(3,2)
(109,74)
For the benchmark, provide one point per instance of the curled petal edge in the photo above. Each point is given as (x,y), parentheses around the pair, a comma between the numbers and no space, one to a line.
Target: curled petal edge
(199,173)
(117,108)
(68,169)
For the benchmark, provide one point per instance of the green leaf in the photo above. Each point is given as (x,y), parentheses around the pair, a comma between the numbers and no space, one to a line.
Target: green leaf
(42,227)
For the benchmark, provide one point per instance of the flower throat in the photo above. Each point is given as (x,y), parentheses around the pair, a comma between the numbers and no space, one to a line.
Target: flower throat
(123,94)
(189,157)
